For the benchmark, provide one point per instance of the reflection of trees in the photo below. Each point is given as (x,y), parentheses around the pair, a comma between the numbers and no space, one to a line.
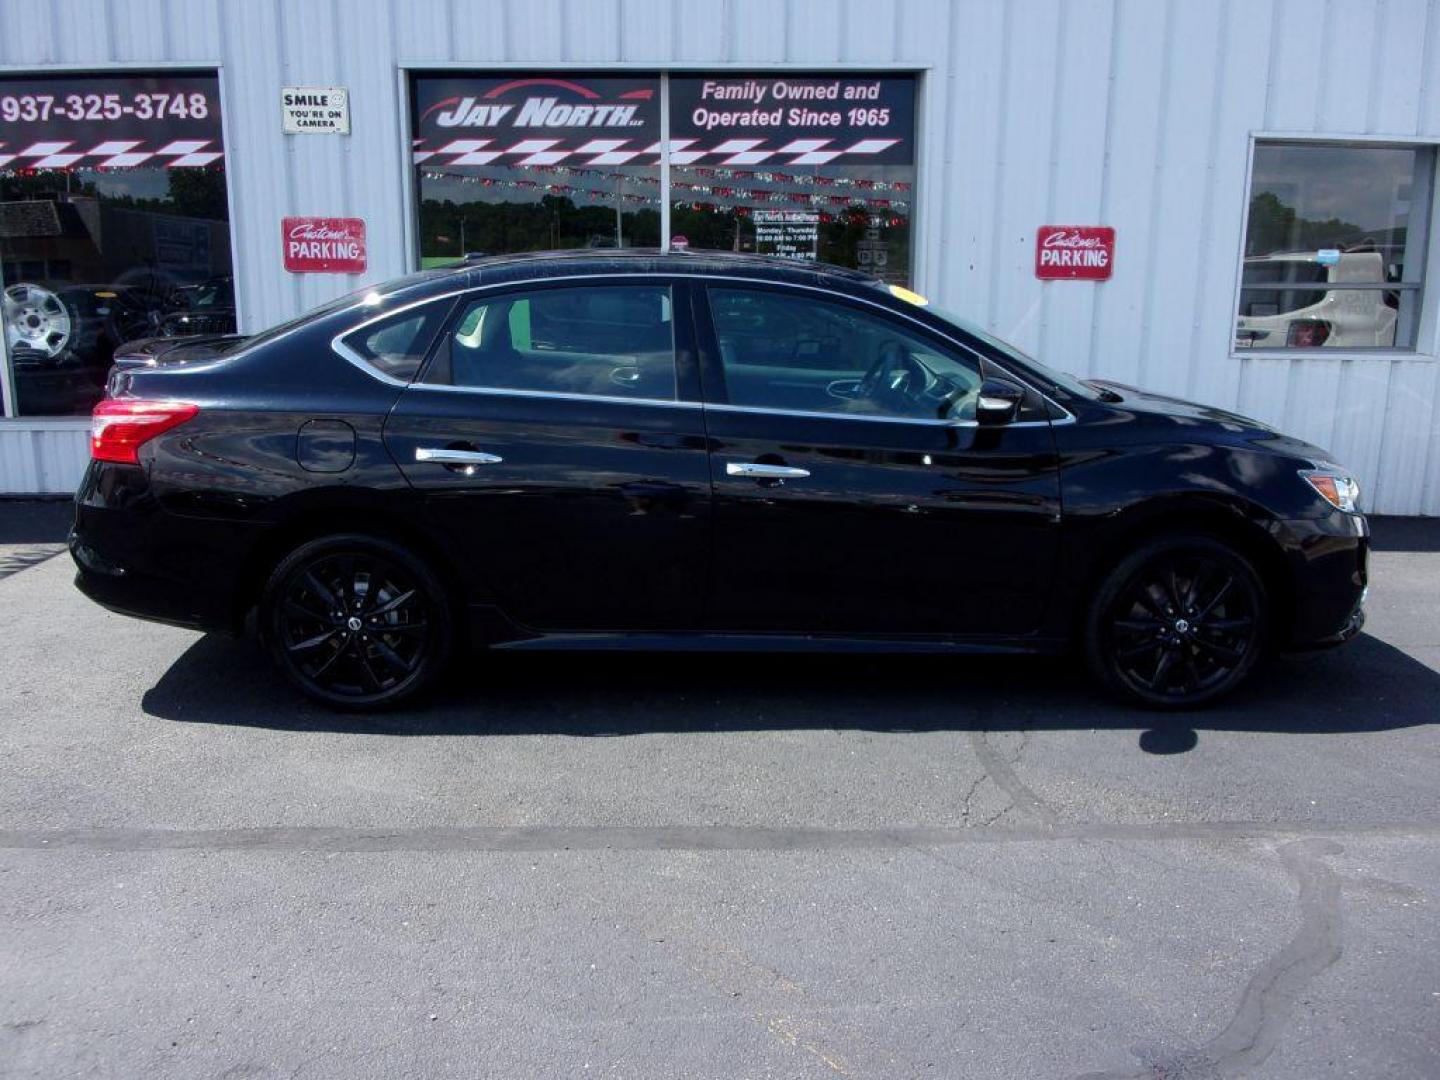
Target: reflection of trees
(1274,226)
(198,193)
(195,193)
(42,185)
(551,222)
(555,221)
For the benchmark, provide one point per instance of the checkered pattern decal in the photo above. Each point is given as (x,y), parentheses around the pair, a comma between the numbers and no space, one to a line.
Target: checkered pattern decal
(112,154)
(626,152)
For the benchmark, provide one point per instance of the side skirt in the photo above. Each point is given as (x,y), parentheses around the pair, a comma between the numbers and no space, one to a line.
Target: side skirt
(774,643)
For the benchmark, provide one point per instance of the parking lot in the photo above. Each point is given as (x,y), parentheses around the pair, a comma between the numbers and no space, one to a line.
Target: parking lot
(707,866)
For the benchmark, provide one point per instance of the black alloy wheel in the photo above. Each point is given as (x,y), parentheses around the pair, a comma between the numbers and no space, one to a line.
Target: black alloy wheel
(1178,623)
(356,621)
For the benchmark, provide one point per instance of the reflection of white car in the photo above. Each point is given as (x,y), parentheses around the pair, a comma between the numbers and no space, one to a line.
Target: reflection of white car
(1315,310)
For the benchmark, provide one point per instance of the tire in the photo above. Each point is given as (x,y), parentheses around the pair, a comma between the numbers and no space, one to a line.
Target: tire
(356,622)
(1178,623)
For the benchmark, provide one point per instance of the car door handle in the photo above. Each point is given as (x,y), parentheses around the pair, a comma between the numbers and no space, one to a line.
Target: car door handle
(444,455)
(758,471)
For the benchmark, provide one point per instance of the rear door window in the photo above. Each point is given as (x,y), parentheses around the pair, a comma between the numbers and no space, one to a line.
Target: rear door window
(396,346)
(605,341)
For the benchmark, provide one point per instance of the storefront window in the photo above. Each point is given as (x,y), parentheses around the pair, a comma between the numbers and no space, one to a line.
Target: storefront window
(535,163)
(113,227)
(1334,246)
(818,167)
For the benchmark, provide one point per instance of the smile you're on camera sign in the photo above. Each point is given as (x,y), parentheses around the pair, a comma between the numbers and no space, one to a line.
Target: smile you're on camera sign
(315,110)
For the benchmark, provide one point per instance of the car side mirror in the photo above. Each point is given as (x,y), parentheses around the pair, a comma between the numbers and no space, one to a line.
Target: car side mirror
(999,401)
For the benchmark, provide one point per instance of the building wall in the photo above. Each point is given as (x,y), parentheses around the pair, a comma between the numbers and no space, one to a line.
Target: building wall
(1131,113)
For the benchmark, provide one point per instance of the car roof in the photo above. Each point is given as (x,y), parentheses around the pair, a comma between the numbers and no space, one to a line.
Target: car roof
(539,265)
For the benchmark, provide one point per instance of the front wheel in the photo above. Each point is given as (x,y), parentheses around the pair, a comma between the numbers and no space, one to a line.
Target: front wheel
(356,622)
(1178,623)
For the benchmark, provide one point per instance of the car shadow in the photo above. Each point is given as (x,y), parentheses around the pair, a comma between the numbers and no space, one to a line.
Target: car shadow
(35,521)
(1405,534)
(221,680)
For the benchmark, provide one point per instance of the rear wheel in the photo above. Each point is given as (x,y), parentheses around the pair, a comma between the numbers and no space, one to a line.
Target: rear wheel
(1178,623)
(356,622)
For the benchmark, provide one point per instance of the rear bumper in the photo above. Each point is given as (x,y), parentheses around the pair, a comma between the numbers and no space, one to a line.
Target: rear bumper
(139,595)
(134,557)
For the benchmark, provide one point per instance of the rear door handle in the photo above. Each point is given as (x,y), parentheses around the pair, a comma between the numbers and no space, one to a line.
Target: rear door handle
(444,455)
(758,471)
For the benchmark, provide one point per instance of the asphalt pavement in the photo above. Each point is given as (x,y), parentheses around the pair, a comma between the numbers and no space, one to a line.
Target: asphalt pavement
(706,866)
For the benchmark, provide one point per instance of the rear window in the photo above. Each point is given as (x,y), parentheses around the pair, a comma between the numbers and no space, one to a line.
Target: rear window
(397,345)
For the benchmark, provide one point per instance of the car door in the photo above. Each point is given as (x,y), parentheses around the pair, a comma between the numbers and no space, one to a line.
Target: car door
(855,493)
(560,460)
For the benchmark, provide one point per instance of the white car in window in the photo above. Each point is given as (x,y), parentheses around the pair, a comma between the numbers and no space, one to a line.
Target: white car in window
(1317,310)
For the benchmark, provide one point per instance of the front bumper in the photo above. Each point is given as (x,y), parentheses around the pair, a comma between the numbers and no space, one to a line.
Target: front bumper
(1330,569)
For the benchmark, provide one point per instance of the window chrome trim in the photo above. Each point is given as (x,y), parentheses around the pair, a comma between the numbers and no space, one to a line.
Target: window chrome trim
(557,395)
(338,345)
(762,410)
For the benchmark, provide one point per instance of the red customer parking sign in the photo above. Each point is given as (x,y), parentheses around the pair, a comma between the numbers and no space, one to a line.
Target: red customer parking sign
(323,245)
(1074,252)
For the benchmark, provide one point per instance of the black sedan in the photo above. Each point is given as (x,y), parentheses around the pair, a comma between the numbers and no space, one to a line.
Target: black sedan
(633,450)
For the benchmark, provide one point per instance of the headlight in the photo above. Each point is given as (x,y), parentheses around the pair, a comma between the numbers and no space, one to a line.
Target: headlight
(1335,486)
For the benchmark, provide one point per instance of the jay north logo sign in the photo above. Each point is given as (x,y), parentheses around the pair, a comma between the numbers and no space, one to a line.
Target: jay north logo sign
(538,112)
(547,121)
(553,105)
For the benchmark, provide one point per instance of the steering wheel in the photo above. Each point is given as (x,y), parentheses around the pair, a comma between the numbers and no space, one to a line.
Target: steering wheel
(896,379)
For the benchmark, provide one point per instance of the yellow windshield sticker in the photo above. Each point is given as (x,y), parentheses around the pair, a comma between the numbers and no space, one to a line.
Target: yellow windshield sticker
(908,296)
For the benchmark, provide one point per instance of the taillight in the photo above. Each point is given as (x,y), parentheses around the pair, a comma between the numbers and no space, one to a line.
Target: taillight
(119,428)
(1307,333)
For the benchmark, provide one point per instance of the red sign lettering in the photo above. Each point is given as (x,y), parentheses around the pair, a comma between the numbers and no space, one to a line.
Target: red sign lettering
(322,245)
(1074,252)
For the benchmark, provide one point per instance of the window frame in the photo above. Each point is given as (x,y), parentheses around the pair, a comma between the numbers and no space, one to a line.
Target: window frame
(1425,344)
(682,337)
(406,72)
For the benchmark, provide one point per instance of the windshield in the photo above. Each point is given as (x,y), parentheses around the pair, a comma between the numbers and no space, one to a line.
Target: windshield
(1065,381)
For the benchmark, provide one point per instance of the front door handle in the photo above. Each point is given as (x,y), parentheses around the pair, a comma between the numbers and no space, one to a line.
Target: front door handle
(759,471)
(444,455)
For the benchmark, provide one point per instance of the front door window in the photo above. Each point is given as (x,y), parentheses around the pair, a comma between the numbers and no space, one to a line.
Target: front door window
(782,350)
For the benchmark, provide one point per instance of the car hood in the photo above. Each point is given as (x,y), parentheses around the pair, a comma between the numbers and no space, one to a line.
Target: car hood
(1181,412)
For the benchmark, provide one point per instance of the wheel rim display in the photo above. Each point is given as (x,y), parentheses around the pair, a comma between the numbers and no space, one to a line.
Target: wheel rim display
(1184,625)
(35,320)
(354,625)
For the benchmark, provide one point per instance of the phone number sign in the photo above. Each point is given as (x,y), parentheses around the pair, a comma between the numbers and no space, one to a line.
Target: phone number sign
(119,122)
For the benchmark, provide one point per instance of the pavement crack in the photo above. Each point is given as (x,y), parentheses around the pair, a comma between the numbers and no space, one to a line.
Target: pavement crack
(1270,995)
(1000,771)
(970,795)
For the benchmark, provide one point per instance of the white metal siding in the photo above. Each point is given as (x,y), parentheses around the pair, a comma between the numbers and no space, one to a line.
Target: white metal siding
(1131,113)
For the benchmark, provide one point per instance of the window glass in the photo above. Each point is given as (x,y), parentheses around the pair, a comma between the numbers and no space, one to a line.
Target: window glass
(612,341)
(113,226)
(787,351)
(536,162)
(811,167)
(396,346)
(1334,246)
